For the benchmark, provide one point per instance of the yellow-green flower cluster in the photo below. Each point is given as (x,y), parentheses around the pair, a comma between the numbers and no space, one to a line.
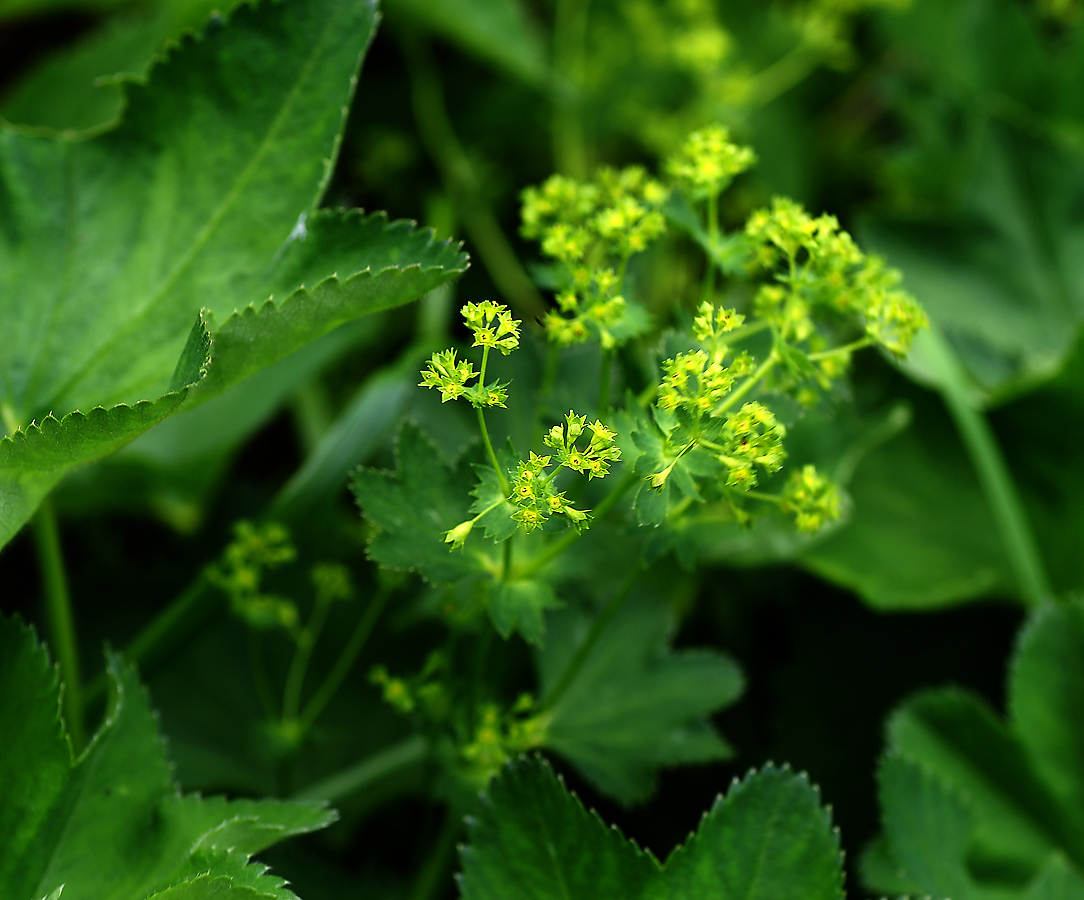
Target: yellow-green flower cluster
(819,267)
(812,499)
(751,437)
(533,492)
(240,575)
(698,382)
(593,228)
(711,324)
(493,326)
(707,162)
(592,461)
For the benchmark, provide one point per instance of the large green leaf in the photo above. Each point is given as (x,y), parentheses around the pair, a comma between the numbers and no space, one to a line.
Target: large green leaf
(976,808)
(111,825)
(635,706)
(768,839)
(199,205)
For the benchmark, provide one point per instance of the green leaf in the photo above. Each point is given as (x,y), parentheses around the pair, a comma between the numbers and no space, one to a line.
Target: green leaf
(1057,882)
(499,31)
(198,204)
(1046,699)
(112,825)
(414,507)
(79,87)
(521,606)
(954,736)
(491,504)
(635,706)
(531,839)
(768,839)
(929,826)
(920,534)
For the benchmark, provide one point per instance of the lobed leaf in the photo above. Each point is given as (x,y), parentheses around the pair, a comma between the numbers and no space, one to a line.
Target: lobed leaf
(111,825)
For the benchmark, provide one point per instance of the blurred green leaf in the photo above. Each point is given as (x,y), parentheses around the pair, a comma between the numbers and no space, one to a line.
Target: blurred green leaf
(498,31)
(521,606)
(975,808)
(111,825)
(635,706)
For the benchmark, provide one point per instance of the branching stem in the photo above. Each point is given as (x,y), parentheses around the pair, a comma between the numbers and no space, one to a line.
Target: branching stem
(369,771)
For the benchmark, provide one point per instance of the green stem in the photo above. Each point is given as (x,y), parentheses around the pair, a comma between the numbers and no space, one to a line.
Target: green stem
(1010,517)
(501,480)
(306,643)
(844,348)
(506,569)
(740,334)
(569,59)
(346,660)
(747,385)
(782,75)
(456,172)
(598,627)
(58,610)
(434,876)
(605,365)
(566,540)
(361,775)
(260,677)
(713,236)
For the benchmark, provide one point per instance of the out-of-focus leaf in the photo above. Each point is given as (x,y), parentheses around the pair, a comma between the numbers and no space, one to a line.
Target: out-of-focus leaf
(975,808)
(499,31)
(521,606)
(112,825)
(636,705)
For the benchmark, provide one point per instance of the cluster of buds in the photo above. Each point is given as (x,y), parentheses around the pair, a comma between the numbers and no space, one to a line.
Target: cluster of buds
(712,323)
(812,499)
(824,270)
(499,737)
(239,574)
(493,328)
(707,162)
(751,437)
(593,228)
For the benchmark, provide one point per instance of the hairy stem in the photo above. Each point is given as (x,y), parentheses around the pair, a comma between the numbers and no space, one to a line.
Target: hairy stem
(460,181)
(58,610)
(598,627)
(347,658)
(1010,517)
(369,771)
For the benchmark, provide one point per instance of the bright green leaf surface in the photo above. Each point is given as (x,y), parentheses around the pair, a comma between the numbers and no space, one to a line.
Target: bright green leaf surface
(636,705)
(111,825)
(768,839)
(1057,882)
(201,199)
